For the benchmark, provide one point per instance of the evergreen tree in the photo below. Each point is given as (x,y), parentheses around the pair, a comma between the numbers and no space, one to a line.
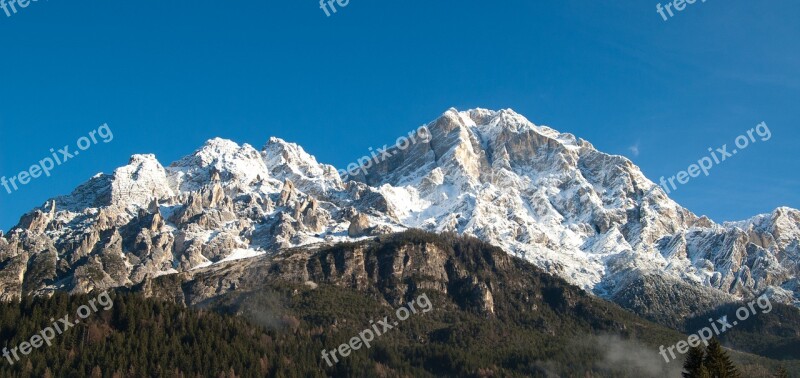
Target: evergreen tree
(782,373)
(280,329)
(718,362)
(694,362)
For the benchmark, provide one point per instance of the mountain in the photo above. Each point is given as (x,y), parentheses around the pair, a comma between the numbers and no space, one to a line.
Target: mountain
(485,313)
(548,197)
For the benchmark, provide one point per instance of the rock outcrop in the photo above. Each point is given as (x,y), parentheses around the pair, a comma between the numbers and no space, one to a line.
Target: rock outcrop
(548,197)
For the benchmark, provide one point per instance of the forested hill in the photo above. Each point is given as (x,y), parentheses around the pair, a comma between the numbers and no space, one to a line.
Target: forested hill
(531,324)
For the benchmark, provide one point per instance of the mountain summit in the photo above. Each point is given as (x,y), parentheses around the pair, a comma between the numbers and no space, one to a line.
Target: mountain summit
(548,197)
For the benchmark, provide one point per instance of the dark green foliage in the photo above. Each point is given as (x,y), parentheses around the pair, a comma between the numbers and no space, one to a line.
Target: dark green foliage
(713,362)
(718,362)
(540,326)
(693,366)
(137,337)
(773,334)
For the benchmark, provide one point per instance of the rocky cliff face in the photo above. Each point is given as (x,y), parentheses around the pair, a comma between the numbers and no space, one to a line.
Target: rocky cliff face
(548,197)
(590,217)
(392,268)
(223,202)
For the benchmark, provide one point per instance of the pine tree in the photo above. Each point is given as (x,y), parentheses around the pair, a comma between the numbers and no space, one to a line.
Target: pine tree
(694,362)
(718,362)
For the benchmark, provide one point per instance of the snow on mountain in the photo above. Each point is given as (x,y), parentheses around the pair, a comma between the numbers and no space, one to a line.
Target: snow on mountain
(546,196)
(236,165)
(135,184)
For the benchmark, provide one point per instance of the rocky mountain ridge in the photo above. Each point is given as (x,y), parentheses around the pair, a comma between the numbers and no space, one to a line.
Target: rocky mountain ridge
(548,197)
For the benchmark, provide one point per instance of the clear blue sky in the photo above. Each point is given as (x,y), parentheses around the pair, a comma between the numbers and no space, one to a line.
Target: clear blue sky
(168,75)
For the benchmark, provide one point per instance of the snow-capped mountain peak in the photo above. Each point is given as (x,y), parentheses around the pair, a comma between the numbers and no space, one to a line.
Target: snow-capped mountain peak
(546,196)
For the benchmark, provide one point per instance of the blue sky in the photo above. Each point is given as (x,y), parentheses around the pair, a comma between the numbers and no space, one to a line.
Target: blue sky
(168,75)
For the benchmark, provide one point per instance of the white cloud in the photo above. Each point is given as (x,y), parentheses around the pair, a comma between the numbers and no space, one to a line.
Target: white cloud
(634,149)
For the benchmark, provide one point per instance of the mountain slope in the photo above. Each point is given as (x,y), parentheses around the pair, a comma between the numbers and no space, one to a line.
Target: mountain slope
(490,312)
(487,314)
(548,197)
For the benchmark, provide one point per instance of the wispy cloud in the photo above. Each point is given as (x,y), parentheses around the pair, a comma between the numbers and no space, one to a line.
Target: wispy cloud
(633,358)
(634,149)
